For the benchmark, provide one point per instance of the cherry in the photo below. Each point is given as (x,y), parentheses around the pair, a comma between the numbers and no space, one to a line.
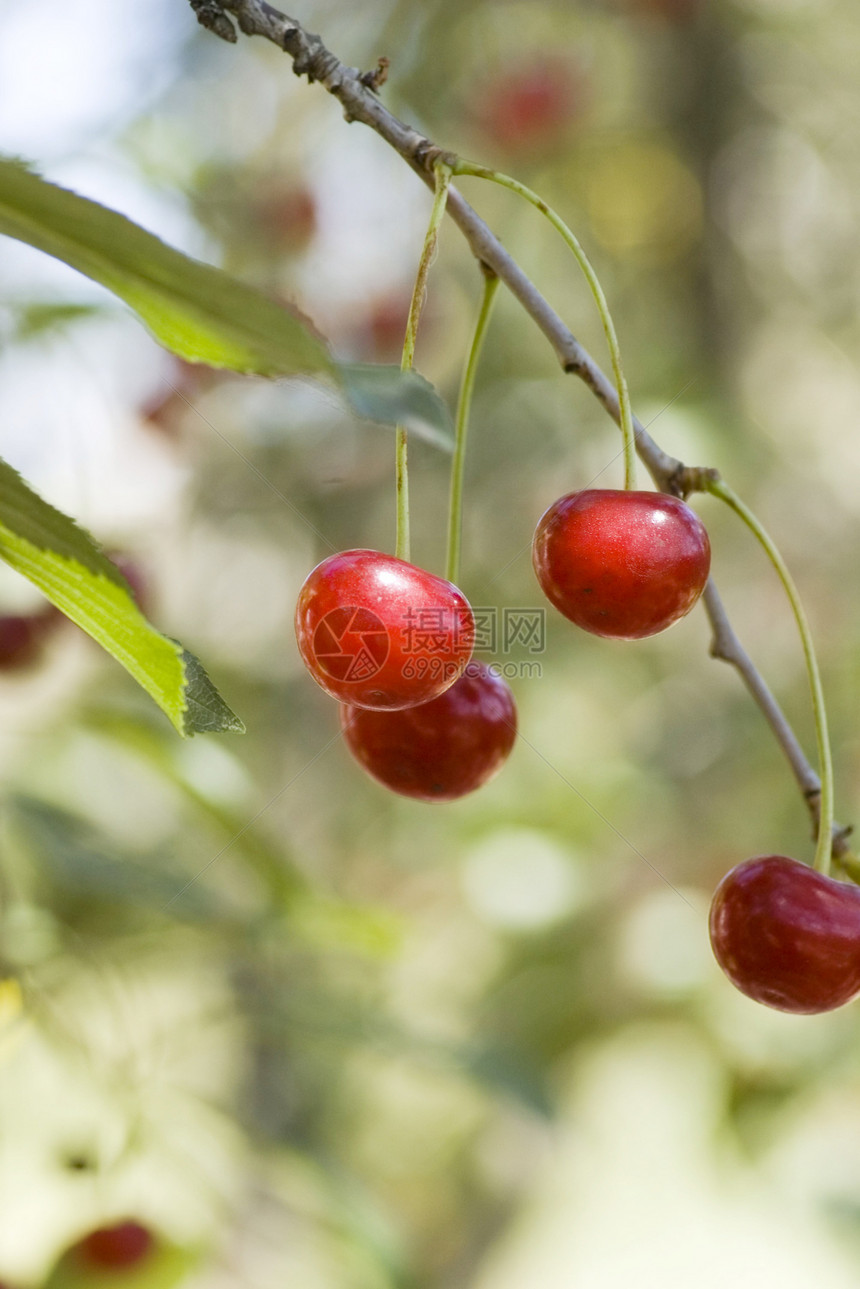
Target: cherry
(786,935)
(377,331)
(439,750)
(621,564)
(23,637)
(287,216)
(532,104)
(386,326)
(116,1247)
(375,631)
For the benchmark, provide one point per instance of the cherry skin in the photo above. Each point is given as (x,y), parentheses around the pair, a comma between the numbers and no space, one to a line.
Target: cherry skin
(375,631)
(116,1247)
(621,564)
(439,750)
(786,935)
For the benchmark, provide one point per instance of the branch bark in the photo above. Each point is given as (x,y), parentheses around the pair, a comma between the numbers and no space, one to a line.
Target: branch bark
(356,91)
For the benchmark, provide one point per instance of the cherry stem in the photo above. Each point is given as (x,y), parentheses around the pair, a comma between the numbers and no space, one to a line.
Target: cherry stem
(625,414)
(464,405)
(824,846)
(442,174)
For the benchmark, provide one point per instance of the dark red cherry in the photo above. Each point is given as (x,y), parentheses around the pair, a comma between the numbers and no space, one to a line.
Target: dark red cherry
(23,637)
(621,564)
(116,1247)
(439,750)
(786,935)
(375,631)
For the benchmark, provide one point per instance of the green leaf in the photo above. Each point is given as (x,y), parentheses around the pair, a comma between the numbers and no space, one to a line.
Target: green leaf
(88,868)
(64,562)
(199,312)
(196,310)
(37,319)
(394,397)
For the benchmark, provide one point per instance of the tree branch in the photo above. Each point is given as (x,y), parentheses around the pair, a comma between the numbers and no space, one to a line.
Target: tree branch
(357,93)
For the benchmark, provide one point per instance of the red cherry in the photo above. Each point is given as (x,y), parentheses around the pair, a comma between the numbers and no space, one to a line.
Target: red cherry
(380,326)
(439,750)
(621,564)
(786,935)
(116,1247)
(532,104)
(287,216)
(23,637)
(375,631)
(386,326)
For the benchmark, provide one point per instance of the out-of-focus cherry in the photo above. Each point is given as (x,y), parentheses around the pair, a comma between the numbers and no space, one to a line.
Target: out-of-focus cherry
(115,1248)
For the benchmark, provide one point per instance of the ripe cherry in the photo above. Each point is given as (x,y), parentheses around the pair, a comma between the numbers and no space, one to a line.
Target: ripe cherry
(439,750)
(621,564)
(287,216)
(386,326)
(23,637)
(117,1247)
(531,104)
(786,935)
(375,631)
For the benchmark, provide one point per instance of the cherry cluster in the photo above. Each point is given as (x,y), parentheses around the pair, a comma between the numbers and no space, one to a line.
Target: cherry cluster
(426,722)
(393,642)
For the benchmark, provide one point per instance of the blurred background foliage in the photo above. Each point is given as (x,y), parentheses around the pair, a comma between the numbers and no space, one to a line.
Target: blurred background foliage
(308,1033)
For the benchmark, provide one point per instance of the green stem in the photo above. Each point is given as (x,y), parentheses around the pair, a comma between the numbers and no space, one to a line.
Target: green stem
(824,845)
(443,181)
(464,404)
(625,414)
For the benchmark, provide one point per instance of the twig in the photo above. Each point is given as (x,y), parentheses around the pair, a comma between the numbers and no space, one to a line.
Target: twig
(357,94)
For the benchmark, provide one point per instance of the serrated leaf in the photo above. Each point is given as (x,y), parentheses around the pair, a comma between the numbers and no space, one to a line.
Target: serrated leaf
(197,311)
(380,392)
(64,562)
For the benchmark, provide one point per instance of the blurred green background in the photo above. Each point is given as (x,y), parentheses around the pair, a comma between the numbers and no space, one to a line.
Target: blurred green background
(309,1033)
